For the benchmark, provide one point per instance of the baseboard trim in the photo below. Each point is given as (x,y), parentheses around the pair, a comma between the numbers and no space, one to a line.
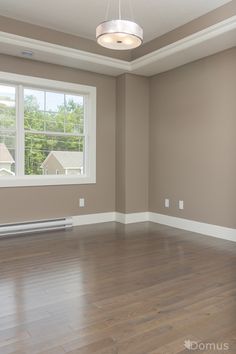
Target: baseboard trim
(132,218)
(194,226)
(110,216)
(89,219)
(224,233)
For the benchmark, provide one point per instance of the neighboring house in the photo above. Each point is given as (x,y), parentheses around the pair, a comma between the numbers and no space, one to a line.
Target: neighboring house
(63,163)
(6,161)
(4,172)
(8,103)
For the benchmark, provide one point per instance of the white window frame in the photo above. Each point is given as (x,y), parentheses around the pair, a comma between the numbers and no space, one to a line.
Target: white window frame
(89,93)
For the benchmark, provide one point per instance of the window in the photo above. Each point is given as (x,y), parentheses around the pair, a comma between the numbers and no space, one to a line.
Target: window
(47,134)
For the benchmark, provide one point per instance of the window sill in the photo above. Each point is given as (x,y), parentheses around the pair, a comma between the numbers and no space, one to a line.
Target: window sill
(29,181)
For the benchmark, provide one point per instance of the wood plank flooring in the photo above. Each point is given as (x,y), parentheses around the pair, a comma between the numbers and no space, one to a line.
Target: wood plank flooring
(115,289)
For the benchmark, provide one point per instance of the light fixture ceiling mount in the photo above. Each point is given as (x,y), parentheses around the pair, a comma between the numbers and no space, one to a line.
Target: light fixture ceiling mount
(119,34)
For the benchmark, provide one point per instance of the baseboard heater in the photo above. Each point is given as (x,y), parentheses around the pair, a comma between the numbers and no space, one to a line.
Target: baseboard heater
(35,226)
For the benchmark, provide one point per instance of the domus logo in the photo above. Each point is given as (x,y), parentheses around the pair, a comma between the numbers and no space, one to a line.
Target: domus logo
(194,345)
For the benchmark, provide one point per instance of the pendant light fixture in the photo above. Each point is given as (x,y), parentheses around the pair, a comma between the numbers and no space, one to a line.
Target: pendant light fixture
(119,34)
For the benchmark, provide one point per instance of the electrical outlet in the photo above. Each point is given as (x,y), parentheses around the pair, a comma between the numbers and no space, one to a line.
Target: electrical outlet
(181,204)
(81,202)
(167,203)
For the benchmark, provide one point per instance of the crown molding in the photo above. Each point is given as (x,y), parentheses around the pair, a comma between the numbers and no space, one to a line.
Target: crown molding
(217,37)
(192,41)
(53,53)
(187,42)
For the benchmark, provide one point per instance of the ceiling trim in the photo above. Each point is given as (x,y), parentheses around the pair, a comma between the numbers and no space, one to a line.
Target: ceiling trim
(58,54)
(67,52)
(185,43)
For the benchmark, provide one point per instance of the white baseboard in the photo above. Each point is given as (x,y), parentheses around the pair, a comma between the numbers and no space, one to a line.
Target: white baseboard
(110,216)
(179,223)
(132,218)
(93,218)
(194,226)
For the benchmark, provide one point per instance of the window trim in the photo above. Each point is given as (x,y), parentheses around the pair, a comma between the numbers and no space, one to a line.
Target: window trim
(89,93)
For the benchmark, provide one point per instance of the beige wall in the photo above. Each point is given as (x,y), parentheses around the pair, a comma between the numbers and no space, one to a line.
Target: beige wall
(132,143)
(193,140)
(188,140)
(45,202)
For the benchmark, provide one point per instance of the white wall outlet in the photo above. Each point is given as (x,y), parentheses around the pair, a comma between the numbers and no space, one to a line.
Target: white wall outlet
(181,204)
(81,202)
(167,203)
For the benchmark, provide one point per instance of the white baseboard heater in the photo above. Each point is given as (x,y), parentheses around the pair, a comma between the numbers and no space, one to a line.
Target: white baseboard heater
(35,226)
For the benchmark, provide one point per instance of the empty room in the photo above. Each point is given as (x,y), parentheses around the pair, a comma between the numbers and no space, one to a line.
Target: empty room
(117,176)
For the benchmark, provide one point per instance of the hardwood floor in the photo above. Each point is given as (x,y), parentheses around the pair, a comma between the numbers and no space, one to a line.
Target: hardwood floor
(114,289)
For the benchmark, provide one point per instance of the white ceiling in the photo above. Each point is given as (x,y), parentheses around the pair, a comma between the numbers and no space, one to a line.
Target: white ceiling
(80,17)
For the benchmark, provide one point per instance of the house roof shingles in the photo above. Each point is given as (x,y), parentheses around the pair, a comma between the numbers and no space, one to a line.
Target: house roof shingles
(67,159)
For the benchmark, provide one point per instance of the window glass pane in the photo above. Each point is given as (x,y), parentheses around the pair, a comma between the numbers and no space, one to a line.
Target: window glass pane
(74,120)
(33,109)
(55,122)
(7,154)
(34,121)
(52,154)
(62,113)
(7,107)
(55,102)
(34,100)
(78,100)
